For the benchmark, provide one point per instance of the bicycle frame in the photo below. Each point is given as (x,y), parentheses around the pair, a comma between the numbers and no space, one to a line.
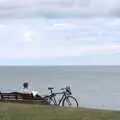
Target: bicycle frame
(52,97)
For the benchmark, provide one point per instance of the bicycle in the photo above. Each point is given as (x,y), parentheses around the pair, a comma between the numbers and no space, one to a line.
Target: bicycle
(66,98)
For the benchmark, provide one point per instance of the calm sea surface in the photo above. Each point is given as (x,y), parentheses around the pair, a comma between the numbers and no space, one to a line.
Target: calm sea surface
(96,87)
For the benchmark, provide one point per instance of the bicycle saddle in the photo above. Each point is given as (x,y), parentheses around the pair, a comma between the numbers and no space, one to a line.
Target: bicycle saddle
(50,88)
(62,89)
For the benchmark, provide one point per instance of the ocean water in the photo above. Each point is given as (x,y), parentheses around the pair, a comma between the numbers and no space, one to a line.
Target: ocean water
(93,86)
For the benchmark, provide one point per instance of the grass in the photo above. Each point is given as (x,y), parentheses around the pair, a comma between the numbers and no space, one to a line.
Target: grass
(10,111)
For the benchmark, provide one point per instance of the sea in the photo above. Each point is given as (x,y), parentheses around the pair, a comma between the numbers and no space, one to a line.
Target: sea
(93,86)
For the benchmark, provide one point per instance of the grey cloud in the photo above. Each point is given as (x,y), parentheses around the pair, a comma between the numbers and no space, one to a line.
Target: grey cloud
(59,8)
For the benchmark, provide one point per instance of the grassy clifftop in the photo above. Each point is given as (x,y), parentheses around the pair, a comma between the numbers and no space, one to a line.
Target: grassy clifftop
(9,111)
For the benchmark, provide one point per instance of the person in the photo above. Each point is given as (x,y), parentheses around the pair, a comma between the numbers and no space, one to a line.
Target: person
(25,87)
(26,90)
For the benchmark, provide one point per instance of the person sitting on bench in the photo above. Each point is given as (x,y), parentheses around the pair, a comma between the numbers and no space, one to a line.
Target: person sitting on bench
(26,90)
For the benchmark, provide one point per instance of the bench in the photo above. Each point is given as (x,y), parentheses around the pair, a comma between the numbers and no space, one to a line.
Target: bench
(16,95)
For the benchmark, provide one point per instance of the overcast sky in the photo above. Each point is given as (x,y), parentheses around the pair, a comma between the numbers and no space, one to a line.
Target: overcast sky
(65,8)
(46,30)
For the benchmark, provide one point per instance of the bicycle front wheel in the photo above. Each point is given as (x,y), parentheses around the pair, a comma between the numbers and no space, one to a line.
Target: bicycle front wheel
(70,101)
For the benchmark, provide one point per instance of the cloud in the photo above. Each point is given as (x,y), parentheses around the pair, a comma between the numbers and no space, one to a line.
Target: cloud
(59,51)
(65,25)
(29,36)
(73,38)
(59,8)
(100,48)
(2,26)
(62,26)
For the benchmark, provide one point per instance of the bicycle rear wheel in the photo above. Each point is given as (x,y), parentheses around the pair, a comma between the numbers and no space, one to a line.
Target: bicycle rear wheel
(49,100)
(70,101)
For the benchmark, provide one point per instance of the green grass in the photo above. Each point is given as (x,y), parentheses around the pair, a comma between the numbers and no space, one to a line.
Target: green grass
(10,111)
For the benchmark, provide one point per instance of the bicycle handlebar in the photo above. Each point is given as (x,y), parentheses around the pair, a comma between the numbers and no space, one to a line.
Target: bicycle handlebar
(66,89)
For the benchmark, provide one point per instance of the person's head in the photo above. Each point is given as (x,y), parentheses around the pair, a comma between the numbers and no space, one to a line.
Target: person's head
(25,85)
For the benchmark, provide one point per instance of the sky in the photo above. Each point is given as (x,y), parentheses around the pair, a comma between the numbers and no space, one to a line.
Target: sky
(59,32)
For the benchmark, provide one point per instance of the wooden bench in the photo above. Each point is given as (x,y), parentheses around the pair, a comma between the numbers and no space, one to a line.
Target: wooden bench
(8,96)
(16,95)
(21,98)
(23,95)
